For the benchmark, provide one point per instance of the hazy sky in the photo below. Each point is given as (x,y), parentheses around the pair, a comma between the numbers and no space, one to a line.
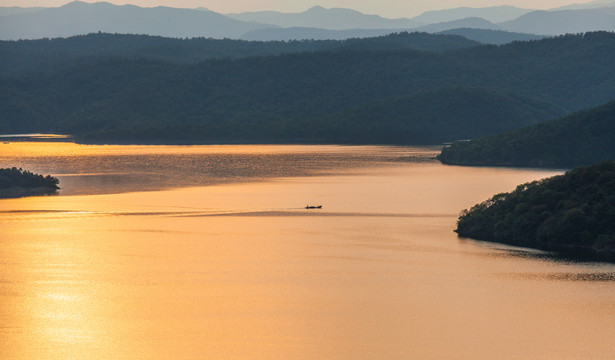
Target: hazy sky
(387,8)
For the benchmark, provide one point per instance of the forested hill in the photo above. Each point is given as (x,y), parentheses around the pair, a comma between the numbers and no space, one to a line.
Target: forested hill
(584,138)
(427,117)
(434,116)
(572,213)
(248,99)
(51,55)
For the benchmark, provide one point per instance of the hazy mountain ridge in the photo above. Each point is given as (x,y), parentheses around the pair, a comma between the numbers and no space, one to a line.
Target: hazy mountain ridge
(327,19)
(310,33)
(481,35)
(493,14)
(563,21)
(594,16)
(77,18)
(588,5)
(471,22)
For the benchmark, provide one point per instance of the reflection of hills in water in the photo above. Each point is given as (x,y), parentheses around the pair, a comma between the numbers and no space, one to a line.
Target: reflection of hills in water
(289,212)
(94,169)
(35,137)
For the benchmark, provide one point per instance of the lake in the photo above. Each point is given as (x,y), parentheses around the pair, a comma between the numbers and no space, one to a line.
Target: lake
(208,252)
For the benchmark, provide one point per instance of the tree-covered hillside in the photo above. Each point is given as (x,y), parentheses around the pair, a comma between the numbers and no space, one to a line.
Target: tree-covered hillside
(239,100)
(584,138)
(434,116)
(426,117)
(52,55)
(572,213)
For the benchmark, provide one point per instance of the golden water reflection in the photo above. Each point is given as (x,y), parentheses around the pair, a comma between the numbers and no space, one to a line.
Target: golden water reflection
(97,169)
(242,271)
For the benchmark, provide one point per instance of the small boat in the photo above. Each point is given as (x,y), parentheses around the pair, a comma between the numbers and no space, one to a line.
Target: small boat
(313,207)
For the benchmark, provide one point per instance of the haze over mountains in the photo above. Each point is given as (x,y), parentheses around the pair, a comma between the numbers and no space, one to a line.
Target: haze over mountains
(330,19)
(493,14)
(78,18)
(589,5)
(465,23)
(563,21)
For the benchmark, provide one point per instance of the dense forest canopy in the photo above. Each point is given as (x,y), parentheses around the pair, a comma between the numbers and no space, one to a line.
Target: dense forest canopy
(296,97)
(584,138)
(421,118)
(572,213)
(52,55)
(434,116)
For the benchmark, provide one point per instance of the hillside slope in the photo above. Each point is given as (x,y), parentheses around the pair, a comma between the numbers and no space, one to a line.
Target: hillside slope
(52,55)
(434,116)
(238,98)
(586,137)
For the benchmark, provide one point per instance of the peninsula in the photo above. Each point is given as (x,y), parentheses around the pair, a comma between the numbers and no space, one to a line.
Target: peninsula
(572,214)
(16,182)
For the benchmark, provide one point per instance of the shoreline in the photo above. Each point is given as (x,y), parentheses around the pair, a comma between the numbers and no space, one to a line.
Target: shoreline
(19,192)
(568,252)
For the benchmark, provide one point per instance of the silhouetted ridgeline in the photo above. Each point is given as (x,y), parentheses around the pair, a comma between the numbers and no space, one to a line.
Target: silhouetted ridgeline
(572,214)
(584,138)
(52,55)
(297,97)
(18,182)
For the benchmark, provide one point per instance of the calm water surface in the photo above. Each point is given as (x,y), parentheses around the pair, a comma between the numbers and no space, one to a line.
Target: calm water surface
(206,252)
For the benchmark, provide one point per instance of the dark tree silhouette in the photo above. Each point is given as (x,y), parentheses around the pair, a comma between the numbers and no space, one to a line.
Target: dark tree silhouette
(572,213)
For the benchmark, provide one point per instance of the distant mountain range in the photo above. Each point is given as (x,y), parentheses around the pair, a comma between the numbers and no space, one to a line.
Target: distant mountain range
(494,14)
(471,22)
(483,36)
(310,33)
(588,5)
(78,18)
(563,21)
(328,19)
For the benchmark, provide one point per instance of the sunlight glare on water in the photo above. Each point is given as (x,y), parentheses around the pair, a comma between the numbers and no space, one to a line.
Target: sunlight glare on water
(226,263)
